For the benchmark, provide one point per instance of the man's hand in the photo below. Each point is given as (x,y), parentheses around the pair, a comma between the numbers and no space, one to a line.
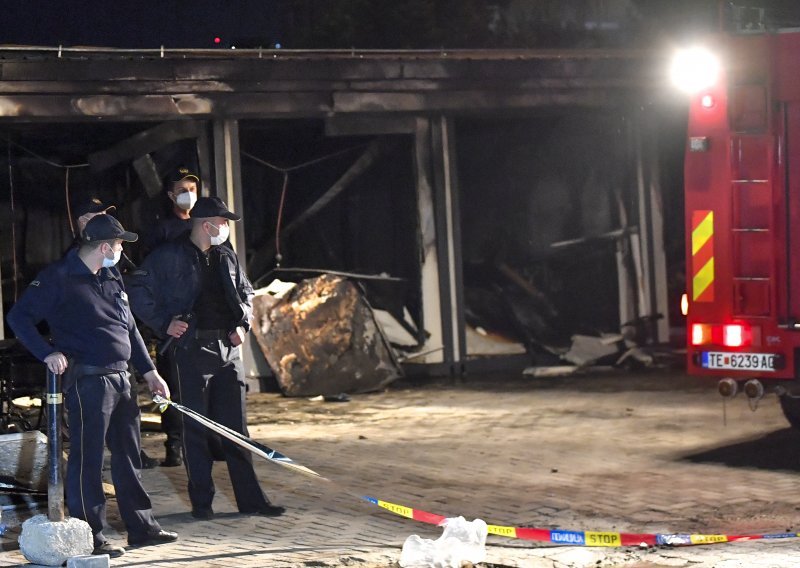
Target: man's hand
(177,327)
(156,384)
(56,362)
(237,336)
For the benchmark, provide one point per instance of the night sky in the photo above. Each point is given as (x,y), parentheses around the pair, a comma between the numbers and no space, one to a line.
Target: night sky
(150,24)
(138,23)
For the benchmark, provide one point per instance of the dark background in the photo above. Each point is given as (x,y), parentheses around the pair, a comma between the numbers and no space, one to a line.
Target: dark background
(371,23)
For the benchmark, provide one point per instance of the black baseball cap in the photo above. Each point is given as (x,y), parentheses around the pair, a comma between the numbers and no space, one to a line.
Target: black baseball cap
(106,228)
(181,173)
(92,205)
(212,207)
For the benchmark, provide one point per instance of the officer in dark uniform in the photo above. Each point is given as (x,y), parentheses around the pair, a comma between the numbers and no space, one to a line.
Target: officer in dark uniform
(83,300)
(195,275)
(82,213)
(181,188)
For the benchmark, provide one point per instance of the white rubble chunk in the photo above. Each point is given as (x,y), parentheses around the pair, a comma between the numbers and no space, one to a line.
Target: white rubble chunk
(53,543)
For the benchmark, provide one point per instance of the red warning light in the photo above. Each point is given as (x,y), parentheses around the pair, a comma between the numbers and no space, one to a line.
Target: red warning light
(217,40)
(707,101)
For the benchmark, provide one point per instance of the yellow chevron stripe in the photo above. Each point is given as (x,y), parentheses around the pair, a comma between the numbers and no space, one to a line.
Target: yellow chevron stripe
(703,232)
(703,279)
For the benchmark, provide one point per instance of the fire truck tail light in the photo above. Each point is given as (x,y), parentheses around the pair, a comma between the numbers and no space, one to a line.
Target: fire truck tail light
(701,333)
(684,304)
(707,101)
(733,335)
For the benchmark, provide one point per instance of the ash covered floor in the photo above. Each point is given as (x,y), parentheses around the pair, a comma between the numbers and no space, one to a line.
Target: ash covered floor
(631,453)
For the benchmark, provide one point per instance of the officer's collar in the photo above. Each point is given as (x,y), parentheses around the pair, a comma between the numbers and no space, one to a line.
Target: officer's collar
(110,273)
(75,264)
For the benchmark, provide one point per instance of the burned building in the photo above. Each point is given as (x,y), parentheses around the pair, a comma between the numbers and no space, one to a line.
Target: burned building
(518,194)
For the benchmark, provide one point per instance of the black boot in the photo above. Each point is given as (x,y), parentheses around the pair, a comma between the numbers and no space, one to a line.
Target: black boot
(173,456)
(147,461)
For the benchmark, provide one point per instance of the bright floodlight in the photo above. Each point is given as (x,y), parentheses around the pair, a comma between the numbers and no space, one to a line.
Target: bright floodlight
(694,69)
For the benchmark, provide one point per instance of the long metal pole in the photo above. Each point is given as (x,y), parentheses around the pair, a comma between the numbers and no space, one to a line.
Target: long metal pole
(55,477)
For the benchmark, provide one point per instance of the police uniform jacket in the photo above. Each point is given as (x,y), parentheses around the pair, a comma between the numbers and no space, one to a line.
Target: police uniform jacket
(165,230)
(168,283)
(88,314)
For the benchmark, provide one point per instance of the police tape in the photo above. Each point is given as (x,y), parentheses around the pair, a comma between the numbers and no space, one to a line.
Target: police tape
(584,538)
(554,536)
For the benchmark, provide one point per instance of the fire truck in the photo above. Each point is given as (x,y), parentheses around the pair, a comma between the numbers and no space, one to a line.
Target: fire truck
(742,198)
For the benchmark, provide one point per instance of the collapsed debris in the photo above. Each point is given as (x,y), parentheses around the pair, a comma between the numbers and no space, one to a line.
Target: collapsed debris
(605,352)
(586,350)
(321,338)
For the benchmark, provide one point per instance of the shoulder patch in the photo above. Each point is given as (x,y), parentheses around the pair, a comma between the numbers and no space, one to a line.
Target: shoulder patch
(35,283)
(139,272)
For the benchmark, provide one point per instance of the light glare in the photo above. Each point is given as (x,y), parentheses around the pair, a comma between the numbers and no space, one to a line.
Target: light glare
(701,334)
(694,69)
(733,336)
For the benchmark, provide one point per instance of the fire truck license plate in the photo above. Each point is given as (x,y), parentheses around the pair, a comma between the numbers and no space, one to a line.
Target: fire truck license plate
(740,361)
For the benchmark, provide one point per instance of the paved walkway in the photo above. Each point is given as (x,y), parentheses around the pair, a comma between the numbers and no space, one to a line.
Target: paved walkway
(631,453)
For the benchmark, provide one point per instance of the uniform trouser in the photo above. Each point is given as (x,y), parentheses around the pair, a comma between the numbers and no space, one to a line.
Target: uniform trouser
(170,418)
(102,410)
(210,378)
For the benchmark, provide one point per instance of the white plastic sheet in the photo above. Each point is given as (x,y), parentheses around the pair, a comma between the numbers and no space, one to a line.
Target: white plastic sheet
(461,541)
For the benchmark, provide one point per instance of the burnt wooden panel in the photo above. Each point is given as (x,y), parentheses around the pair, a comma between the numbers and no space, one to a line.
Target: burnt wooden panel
(267,105)
(162,107)
(315,69)
(144,143)
(468,101)
(197,70)
(98,106)
(312,84)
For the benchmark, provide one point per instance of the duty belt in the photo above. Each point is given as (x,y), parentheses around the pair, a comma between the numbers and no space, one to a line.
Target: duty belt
(82,369)
(211,334)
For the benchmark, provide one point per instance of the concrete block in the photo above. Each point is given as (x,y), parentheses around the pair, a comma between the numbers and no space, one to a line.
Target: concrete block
(53,543)
(24,459)
(89,561)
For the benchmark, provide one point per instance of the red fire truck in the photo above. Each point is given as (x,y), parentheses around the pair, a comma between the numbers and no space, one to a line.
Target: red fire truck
(742,195)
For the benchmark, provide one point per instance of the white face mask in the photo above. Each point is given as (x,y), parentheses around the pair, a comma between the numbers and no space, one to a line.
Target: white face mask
(222,235)
(186,200)
(109,262)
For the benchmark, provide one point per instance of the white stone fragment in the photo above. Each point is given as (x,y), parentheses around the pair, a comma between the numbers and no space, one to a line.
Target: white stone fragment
(53,543)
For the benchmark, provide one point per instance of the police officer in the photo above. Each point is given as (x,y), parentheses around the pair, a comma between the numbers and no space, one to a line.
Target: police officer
(195,275)
(83,300)
(181,189)
(82,213)
(85,211)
